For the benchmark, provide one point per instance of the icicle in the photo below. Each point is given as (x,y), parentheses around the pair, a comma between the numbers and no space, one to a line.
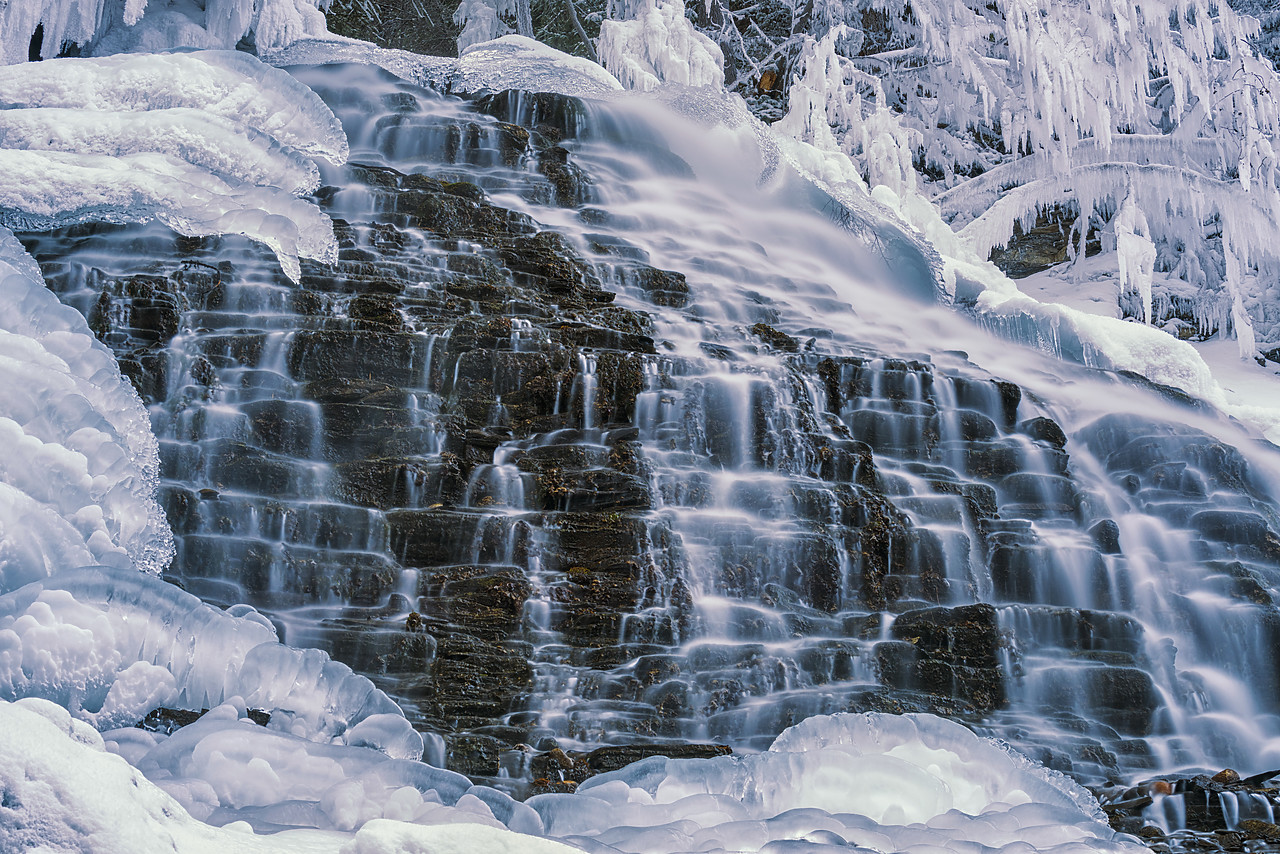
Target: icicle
(1240,320)
(1135,251)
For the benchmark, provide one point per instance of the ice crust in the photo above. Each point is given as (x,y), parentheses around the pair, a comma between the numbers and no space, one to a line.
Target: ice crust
(863,783)
(65,792)
(212,142)
(510,62)
(111,644)
(77,484)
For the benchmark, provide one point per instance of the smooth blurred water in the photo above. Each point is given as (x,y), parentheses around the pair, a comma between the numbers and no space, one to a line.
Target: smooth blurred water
(801,502)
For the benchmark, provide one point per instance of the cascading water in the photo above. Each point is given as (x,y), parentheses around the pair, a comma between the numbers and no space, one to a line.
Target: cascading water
(605,430)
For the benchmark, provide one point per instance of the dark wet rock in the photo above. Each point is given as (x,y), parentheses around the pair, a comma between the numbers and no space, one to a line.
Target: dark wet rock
(168,721)
(952,652)
(1170,393)
(570,184)
(560,766)
(775,339)
(485,601)
(1106,533)
(1044,430)
(663,287)
(1044,245)
(470,682)
(473,755)
(398,400)
(1237,528)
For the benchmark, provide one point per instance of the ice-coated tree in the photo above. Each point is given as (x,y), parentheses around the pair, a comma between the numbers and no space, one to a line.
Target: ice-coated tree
(482,20)
(1152,122)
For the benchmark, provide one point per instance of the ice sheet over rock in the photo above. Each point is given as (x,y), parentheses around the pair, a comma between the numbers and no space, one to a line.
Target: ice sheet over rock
(231,151)
(511,62)
(79,484)
(229,84)
(44,190)
(112,644)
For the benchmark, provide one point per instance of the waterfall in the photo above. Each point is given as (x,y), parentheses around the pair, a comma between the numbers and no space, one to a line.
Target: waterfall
(610,435)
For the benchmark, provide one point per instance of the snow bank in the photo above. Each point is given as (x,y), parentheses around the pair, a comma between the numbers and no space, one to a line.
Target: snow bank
(78,483)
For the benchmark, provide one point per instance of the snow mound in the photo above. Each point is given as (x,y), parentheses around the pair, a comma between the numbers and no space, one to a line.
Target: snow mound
(78,483)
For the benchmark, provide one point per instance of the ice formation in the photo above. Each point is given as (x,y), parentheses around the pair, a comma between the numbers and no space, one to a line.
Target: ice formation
(114,26)
(516,62)
(232,152)
(111,644)
(64,792)
(509,62)
(132,138)
(229,84)
(915,784)
(78,484)
(871,782)
(1084,120)
(652,43)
